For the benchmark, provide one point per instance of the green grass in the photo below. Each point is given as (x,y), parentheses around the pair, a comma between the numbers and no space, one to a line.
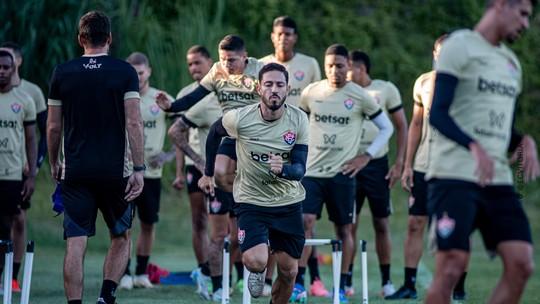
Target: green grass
(173,251)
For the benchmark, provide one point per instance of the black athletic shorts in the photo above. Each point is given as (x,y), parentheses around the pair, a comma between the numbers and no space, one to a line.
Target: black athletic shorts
(418,197)
(371,184)
(222,203)
(82,199)
(147,203)
(460,207)
(10,197)
(25,204)
(228,147)
(192,179)
(280,227)
(336,192)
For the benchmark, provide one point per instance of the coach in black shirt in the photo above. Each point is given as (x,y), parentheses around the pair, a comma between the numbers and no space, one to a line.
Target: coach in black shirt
(95,100)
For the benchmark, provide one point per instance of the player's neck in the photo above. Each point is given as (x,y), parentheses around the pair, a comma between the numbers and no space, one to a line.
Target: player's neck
(365,81)
(15,78)
(6,88)
(96,50)
(270,115)
(145,88)
(283,56)
(488,30)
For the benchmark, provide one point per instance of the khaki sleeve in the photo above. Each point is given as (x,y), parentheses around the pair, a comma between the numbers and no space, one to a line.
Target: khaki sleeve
(453,57)
(39,99)
(304,99)
(417,92)
(316,71)
(209,79)
(394,98)
(29,110)
(370,108)
(303,130)
(230,123)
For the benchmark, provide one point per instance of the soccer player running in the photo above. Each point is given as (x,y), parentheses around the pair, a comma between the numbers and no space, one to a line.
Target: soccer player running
(413,181)
(35,93)
(303,70)
(376,179)
(17,133)
(199,119)
(147,204)
(336,108)
(470,184)
(94,107)
(271,139)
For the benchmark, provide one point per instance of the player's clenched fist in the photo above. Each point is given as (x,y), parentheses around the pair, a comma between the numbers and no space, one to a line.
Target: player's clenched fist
(276,164)
(163,101)
(206,183)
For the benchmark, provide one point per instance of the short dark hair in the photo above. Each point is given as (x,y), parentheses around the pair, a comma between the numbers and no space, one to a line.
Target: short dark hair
(137,58)
(285,21)
(13,46)
(274,67)
(489,3)
(358,56)
(440,40)
(4,53)
(199,49)
(232,43)
(95,27)
(337,49)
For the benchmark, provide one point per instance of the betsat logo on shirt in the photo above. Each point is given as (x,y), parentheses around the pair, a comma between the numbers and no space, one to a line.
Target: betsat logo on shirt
(264,157)
(496,87)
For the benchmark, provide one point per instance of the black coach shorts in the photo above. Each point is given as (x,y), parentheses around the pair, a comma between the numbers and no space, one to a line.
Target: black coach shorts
(10,197)
(228,147)
(418,197)
(82,199)
(371,184)
(336,192)
(459,207)
(280,227)
(192,179)
(147,203)
(222,203)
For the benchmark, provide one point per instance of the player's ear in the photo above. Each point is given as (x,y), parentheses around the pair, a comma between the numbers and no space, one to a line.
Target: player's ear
(109,39)
(80,40)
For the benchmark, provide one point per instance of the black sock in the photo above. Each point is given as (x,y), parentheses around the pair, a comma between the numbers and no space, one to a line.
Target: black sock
(142,263)
(239,270)
(75,302)
(268,281)
(460,286)
(128,272)
(16,268)
(313,265)
(300,276)
(350,278)
(217,282)
(205,268)
(343,281)
(410,277)
(108,288)
(385,273)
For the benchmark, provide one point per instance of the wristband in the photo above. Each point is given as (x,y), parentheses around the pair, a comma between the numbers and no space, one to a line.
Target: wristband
(139,168)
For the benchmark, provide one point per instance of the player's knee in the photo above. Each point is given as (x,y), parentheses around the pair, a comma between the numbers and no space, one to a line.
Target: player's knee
(309,223)
(521,268)
(218,237)
(253,262)
(416,225)
(288,273)
(18,223)
(147,228)
(381,225)
(344,232)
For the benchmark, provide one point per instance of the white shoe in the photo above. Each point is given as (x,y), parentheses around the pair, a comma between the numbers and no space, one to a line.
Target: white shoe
(126,282)
(267,290)
(203,282)
(388,289)
(256,283)
(217,295)
(142,281)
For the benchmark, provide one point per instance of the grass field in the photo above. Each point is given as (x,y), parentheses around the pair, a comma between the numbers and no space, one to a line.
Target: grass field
(173,251)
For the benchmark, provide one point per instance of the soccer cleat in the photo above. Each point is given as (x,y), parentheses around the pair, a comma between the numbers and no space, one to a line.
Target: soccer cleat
(15,286)
(126,282)
(403,292)
(239,285)
(342,297)
(203,283)
(217,295)
(256,283)
(317,289)
(388,289)
(459,295)
(267,290)
(349,291)
(299,294)
(142,281)
(101,301)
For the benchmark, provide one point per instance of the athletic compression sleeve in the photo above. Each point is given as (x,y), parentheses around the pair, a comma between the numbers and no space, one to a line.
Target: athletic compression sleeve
(385,131)
(41,119)
(439,118)
(297,168)
(187,101)
(216,133)
(515,136)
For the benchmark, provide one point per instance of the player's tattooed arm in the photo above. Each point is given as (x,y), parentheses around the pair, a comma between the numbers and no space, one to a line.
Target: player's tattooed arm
(178,133)
(183,103)
(216,133)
